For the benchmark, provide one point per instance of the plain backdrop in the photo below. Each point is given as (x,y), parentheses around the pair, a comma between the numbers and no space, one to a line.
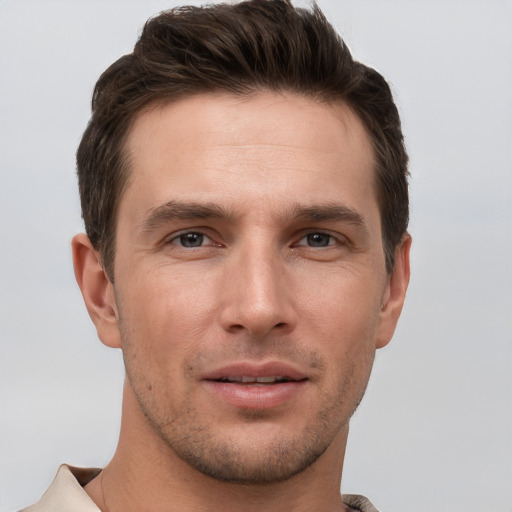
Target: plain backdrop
(434,432)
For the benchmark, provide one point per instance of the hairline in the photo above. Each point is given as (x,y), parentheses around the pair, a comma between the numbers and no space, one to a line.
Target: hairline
(108,248)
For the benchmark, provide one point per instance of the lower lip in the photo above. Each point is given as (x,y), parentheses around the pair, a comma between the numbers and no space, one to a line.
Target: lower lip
(249,396)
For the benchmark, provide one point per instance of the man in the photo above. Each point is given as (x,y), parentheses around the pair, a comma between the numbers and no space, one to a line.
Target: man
(244,191)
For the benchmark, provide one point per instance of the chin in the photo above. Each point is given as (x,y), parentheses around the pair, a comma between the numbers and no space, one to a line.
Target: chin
(252,466)
(259,455)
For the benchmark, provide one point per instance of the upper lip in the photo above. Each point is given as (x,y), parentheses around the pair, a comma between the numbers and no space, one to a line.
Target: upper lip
(252,369)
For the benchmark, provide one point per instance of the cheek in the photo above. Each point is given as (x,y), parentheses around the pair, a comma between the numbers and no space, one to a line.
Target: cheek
(342,320)
(169,303)
(342,302)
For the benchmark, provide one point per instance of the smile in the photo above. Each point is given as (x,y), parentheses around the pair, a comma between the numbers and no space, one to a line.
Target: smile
(255,380)
(255,386)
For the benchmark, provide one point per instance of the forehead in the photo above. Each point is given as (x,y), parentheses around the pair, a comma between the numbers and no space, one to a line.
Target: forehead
(261,149)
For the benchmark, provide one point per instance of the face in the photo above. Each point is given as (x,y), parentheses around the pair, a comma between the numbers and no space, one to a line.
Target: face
(249,279)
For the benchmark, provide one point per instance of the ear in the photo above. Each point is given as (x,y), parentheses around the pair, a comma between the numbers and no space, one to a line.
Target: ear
(97,291)
(394,294)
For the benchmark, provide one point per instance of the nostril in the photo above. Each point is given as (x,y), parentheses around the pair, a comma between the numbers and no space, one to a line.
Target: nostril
(280,324)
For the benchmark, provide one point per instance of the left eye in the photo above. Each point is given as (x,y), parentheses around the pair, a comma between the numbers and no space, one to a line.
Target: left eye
(191,239)
(317,240)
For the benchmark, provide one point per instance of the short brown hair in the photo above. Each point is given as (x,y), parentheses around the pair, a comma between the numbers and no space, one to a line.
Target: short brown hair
(240,48)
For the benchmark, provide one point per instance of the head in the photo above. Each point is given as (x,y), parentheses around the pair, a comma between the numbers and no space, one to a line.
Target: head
(242,49)
(243,185)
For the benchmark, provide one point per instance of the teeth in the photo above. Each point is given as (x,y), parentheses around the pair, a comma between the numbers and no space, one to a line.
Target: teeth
(259,380)
(233,379)
(267,379)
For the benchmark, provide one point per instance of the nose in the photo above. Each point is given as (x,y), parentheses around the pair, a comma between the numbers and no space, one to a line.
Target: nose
(258,295)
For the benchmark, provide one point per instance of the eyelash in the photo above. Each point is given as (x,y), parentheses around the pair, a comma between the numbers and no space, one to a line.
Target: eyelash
(331,239)
(182,237)
(181,240)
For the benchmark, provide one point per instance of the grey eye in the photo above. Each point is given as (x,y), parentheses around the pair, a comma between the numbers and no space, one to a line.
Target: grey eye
(191,239)
(318,239)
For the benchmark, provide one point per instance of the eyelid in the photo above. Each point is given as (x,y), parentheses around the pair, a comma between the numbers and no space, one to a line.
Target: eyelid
(210,242)
(338,238)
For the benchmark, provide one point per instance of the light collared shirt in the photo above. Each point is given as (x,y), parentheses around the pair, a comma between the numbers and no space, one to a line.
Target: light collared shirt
(66,494)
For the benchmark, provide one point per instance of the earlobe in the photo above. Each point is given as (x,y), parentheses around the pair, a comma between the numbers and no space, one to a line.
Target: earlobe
(394,295)
(97,291)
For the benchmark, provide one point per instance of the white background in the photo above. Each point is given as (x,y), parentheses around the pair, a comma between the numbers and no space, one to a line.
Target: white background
(434,432)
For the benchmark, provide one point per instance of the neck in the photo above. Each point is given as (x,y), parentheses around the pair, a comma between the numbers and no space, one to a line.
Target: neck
(146,474)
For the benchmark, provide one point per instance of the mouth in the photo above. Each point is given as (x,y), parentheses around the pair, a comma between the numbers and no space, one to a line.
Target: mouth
(256,381)
(255,386)
(265,373)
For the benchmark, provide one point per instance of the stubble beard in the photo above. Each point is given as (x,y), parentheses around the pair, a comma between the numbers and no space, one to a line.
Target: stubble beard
(278,459)
(210,451)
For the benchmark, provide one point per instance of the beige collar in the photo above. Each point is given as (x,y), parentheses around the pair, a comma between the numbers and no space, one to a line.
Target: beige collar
(66,492)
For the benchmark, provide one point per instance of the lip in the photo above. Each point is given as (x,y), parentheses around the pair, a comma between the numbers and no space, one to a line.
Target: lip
(249,369)
(255,396)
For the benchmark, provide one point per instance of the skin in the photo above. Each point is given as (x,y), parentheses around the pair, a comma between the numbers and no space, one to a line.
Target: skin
(249,234)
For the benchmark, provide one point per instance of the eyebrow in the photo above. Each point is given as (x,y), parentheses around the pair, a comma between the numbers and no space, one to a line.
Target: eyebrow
(323,213)
(177,210)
